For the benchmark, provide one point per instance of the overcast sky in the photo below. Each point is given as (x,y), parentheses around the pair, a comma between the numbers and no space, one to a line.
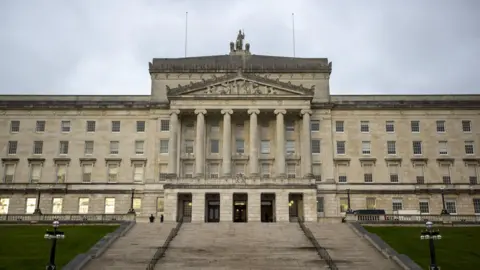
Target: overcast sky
(103,47)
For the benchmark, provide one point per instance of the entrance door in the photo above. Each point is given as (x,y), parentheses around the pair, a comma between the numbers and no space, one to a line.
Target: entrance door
(239,212)
(213,211)
(187,211)
(267,211)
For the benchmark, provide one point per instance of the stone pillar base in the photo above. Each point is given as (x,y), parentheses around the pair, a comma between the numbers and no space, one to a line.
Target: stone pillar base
(350,217)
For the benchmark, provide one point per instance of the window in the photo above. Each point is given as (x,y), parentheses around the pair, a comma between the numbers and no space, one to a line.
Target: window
(88,149)
(63,147)
(214,146)
(214,170)
(420,173)
(65,126)
(160,205)
(38,147)
(315,125)
(364,126)
(397,204)
(424,207)
(240,146)
(469,148)
(367,173)
(417,147)
(109,205)
(115,126)
(315,146)
(440,126)
(9,172)
(467,126)
(35,172)
(415,126)
(239,130)
(393,172)
(83,205)
(137,205)
(341,147)
(61,173)
(57,204)
(291,171)
(472,174)
(138,172)
(289,126)
(442,148)
(290,147)
(451,206)
(317,172)
(12,147)
(165,125)
(4,204)
(240,169)
(15,126)
(339,126)
(31,205)
(265,147)
(391,148)
(112,172)
(189,127)
(40,126)
(343,205)
(445,171)
(163,169)
(366,148)
(91,125)
(342,173)
(188,170)
(140,126)
(390,126)
(476,206)
(164,146)
(114,147)
(215,126)
(87,173)
(265,170)
(371,203)
(320,205)
(189,146)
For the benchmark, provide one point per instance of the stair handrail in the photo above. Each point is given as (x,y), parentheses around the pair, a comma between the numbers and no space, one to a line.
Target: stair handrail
(161,250)
(321,251)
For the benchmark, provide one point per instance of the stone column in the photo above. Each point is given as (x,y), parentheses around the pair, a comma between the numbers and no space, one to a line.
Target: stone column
(253,206)
(280,143)
(172,143)
(281,207)
(227,143)
(306,144)
(253,145)
(198,207)
(226,207)
(200,143)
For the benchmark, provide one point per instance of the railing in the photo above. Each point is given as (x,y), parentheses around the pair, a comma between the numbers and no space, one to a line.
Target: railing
(322,252)
(66,218)
(161,250)
(413,219)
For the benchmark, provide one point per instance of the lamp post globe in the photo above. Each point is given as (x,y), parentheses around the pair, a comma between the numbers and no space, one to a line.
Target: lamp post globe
(430,234)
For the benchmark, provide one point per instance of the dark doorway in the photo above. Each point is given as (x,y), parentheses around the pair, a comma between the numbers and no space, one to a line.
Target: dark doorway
(295,206)
(240,207)
(267,207)
(212,205)
(184,207)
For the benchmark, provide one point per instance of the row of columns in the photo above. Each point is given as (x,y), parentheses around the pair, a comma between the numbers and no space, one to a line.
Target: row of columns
(253,143)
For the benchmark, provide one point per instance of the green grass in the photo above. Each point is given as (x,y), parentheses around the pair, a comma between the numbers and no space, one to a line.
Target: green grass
(23,246)
(459,247)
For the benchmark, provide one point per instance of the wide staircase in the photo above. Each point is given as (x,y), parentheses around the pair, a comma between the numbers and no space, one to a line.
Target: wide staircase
(347,249)
(135,249)
(259,246)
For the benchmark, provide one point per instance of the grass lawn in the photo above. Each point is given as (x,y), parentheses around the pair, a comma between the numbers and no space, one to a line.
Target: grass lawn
(459,247)
(23,246)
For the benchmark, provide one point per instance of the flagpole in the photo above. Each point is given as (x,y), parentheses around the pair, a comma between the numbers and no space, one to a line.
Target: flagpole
(186,32)
(293,32)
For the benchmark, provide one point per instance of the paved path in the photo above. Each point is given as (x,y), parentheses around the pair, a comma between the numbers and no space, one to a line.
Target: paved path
(134,250)
(231,246)
(349,250)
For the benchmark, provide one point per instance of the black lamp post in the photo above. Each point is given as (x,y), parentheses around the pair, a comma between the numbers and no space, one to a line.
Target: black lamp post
(131,210)
(349,209)
(430,234)
(54,235)
(444,209)
(37,210)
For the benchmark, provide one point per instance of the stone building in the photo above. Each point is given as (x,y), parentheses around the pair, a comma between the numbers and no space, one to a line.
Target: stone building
(239,137)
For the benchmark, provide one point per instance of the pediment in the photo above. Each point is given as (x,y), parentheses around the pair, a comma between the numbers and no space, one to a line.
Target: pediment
(240,85)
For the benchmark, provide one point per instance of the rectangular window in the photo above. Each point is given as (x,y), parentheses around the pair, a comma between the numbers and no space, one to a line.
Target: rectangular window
(440,126)
(265,147)
(9,172)
(469,148)
(343,205)
(160,205)
(38,147)
(88,149)
(109,205)
(66,126)
(14,126)
(114,147)
(240,146)
(57,205)
(138,172)
(339,126)
(366,148)
(140,126)
(61,173)
(371,203)
(315,146)
(265,170)
(35,173)
(164,125)
(342,173)
(112,172)
(476,206)
(397,204)
(4,204)
(40,126)
(390,126)
(163,169)
(442,148)
(451,206)
(31,205)
(472,174)
(340,147)
(315,125)
(417,147)
(163,146)
(290,147)
(320,205)
(214,146)
(91,126)
(445,171)
(12,147)
(115,126)
(317,172)
(424,207)
(391,148)
(214,170)
(188,146)
(137,205)
(87,173)
(367,173)
(415,126)
(467,126)
(289,126)
(83,205)
(291,171)
(214,126)
(364,126)
(63,148)
(420,173)
(188,170)
(393,172)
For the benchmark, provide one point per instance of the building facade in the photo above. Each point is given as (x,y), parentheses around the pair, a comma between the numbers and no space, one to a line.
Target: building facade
(239,137)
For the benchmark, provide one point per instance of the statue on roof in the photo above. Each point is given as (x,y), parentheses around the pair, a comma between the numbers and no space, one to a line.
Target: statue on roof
(240,38)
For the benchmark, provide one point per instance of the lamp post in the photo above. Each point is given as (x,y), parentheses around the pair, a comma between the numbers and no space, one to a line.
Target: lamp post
(131,210)
(349,209)
(37,210)
(430,234)
(444,209)
(54,235)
